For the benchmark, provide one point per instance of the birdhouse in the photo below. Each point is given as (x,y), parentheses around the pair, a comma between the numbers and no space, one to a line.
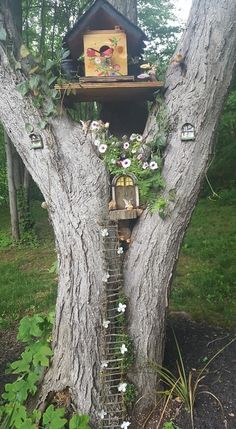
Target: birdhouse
(125,197)
(104,52)
(105,38)
(188,132)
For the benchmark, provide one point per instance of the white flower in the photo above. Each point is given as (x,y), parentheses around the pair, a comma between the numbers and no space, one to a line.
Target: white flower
(126,145)
(133,137)
(106,323)
(102,415)
(122,387)
(102,148)
(104,232)
(145,165)
(106,277)
(134,150)
(125,425)
(97,60)
(126,163)
(113,161)
(139,138)
(120,250)
(121,308)
(106,125)
(97,142)
(153,165)
(95,125)
(123,349)
(104,364)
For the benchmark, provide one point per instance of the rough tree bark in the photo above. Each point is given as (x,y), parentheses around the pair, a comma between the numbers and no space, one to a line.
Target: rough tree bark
(127,8)
(15,229)
(75,186)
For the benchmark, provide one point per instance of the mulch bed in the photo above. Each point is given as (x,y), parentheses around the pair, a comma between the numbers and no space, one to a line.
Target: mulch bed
(10,350)
(197,342)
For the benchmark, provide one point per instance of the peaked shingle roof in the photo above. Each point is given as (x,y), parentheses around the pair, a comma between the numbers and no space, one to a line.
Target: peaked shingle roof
(103,16)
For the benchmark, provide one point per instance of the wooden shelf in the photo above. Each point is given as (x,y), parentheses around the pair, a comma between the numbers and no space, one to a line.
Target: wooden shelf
(112,91)
(125,214)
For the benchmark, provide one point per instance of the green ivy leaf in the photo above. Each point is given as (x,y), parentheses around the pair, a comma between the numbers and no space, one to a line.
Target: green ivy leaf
(23,88)
(34,82)
(42,124)
(19,416)
(32,379)
(79,422)
(29,128)
(18,65)
(65,54)
(20,366)
(51,80)
(24,51)
(36,416)
(29,327)
(50,108)
(49,65)
(42,356)
(54,418)
(18,390)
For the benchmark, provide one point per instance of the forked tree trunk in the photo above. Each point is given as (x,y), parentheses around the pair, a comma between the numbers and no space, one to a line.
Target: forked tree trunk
(75,186)
(15,228)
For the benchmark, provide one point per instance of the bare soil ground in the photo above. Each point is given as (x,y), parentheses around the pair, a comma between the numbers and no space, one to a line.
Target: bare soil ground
(198,342)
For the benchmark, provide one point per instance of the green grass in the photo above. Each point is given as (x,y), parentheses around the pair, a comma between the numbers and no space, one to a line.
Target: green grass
(204,284)
(205,280)
(26,285)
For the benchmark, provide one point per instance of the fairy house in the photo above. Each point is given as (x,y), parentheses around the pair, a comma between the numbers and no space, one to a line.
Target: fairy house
(125,196)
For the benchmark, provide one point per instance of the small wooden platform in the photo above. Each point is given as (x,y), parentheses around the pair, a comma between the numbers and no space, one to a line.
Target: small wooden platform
(106,79)
(112,91)
(125,214)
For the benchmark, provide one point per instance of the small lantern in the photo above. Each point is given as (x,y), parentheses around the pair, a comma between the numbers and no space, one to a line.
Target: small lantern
(36,141)
(188,132)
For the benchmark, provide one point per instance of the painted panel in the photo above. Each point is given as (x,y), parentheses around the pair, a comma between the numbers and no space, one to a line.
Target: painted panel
(105,53)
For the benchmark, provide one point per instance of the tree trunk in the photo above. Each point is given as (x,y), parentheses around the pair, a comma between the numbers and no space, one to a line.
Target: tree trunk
(15,230)
(76,188)
(127,8)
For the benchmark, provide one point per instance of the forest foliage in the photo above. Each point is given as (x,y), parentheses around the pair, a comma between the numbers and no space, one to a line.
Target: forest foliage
(52,19)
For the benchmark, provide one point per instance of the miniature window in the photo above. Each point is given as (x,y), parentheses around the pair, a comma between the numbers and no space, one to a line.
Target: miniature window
(125,181)
(188,132)
(128,181)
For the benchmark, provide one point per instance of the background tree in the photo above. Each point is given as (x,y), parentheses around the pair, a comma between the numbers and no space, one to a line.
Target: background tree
(76,188)
(220,176)
(158,21)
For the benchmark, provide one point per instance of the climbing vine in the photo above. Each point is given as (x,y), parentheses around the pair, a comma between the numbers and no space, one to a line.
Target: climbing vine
(130,154)
(39,84)
(35,332)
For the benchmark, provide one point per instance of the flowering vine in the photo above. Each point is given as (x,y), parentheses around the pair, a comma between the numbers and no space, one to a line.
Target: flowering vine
(128,155)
